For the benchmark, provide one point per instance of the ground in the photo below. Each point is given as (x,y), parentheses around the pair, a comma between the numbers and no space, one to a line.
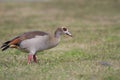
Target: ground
(93,53)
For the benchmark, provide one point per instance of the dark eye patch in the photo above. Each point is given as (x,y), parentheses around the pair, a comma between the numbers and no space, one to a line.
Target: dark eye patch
(65,29)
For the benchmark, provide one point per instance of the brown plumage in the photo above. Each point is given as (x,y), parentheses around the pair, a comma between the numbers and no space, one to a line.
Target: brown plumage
(35,41)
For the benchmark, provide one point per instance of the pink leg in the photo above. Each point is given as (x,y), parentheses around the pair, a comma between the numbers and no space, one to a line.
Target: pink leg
(30,56)
(34,58)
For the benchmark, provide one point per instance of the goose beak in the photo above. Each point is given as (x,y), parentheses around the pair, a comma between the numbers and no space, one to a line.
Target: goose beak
(69,34)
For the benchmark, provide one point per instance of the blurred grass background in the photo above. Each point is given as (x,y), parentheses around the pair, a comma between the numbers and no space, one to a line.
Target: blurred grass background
(92,54)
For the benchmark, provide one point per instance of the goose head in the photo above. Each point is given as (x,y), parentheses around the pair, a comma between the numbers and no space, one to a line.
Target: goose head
(61,31)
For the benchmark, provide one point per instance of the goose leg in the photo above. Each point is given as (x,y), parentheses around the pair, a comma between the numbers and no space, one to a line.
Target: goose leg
(30,56)
(34,58)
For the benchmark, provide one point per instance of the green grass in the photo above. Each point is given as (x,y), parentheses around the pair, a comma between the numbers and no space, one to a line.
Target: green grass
(92,54)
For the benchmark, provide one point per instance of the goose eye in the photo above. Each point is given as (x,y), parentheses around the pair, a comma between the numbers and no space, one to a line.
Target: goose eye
(64,29)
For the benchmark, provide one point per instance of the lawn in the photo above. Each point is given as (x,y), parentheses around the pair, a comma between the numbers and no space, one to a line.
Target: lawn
(93,53)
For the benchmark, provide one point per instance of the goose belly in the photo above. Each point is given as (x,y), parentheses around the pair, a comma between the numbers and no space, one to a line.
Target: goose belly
(35,44)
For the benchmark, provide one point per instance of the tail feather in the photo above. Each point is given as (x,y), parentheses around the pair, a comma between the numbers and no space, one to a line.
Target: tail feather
(11,43)
(4,48)
(5,45)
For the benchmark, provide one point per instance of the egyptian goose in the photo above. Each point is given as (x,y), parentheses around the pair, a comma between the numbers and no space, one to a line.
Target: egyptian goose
(35,41)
